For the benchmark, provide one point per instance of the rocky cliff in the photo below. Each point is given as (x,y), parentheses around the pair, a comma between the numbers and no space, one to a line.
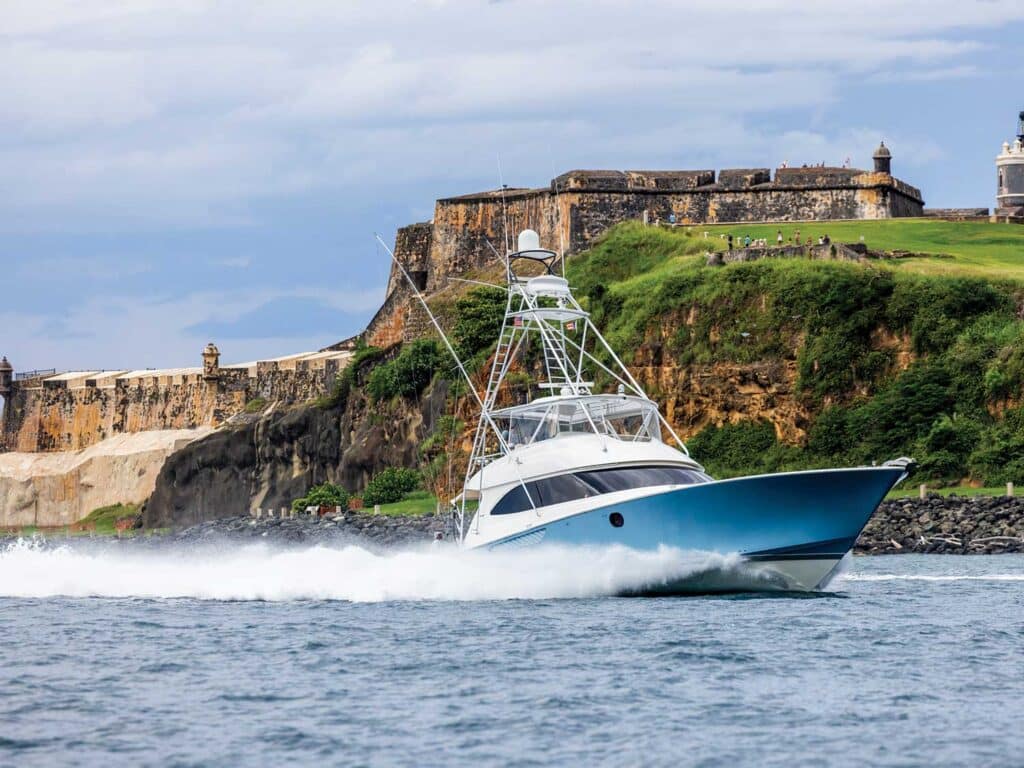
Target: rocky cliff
(267,461)
(56,489)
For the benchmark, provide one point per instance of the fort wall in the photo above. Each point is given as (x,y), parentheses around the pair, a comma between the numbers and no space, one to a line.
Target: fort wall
(72,411)
(468,232)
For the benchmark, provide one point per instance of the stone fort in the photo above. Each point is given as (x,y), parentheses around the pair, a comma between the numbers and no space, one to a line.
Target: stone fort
(46,411)
(578,206)
(49,411)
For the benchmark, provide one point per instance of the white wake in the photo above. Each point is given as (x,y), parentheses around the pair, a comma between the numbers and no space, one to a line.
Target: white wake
(260,572)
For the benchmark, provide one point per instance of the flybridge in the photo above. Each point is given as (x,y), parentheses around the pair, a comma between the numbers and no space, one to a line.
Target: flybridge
(541,307)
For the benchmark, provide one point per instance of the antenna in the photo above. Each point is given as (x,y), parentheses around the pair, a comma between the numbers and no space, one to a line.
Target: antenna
(558,211)
(508,263)
(447,343)
(504,206)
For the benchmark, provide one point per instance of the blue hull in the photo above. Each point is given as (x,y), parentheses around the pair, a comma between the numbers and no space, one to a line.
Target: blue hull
(794,515)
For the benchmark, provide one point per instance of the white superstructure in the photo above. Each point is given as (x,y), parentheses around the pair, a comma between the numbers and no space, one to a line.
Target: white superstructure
(536,455)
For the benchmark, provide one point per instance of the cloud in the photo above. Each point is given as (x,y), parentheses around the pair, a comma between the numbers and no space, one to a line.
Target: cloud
(186,114)
(294,317)
(121,331)
(214,167)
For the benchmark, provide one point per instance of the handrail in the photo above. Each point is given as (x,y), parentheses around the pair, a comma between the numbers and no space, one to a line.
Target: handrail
(24,375)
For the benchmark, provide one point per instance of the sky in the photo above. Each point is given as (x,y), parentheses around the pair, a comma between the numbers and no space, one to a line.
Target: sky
(173,173)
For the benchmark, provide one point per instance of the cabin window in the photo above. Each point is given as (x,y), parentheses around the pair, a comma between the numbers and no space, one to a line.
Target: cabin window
(582,485)
(555,490)
(627,478)
(514,501)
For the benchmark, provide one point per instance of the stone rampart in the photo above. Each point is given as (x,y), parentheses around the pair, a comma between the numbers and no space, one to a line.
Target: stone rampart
(468,231)
(957,214)
(72,411)
(832,251)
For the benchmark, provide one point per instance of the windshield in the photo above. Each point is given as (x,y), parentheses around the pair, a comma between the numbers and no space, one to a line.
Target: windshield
(628,419)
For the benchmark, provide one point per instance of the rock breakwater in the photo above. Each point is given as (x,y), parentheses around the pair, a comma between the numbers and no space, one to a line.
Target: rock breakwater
(945,525)
(355,527)
(359,528)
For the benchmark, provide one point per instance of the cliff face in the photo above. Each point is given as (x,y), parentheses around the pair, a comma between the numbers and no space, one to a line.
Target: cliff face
(275,458)
(55,489)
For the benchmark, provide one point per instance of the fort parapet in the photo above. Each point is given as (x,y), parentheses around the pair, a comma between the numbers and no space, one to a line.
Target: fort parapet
(72,411)
(580,205)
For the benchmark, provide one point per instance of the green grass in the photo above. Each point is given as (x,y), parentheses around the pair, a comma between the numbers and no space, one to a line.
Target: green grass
(256,405)
(416,503)
(912,492)
(977,248)
(104,519)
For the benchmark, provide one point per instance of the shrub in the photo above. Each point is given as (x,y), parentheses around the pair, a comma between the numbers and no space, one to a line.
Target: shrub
(744,448)
(391,485)
(890,423)
(323,495)
(944,451)
(829,436)
(408,374)
(479,313)
(363,357)
(999,456)
(255,405)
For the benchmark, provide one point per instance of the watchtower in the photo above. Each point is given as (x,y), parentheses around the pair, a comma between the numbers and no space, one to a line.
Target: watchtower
(6,377)
(1010,173)
(883,159)
(211,361)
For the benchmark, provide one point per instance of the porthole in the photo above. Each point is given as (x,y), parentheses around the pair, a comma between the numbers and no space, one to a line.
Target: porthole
(616,519)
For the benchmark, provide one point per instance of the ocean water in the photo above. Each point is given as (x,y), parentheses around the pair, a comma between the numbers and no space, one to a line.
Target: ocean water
(257,656)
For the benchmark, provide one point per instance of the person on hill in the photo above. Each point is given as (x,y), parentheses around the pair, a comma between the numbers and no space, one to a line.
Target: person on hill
(778,237)
(827,239)
(730,241)
(746,241)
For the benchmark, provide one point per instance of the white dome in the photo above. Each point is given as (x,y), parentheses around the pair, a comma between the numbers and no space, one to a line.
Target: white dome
(529,240)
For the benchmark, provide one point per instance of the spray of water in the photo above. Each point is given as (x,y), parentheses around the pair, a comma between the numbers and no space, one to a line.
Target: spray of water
(260,572)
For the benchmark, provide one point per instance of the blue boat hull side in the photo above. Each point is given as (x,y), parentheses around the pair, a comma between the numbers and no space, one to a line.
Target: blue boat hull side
(794,515)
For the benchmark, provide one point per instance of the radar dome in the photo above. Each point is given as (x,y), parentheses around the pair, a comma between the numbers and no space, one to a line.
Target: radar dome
(529,240)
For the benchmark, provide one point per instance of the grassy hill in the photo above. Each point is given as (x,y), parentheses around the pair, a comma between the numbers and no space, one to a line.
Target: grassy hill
(920,356)
(977,248)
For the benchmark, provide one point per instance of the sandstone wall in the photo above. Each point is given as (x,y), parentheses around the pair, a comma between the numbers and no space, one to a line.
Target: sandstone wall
(68,413)
(580,205)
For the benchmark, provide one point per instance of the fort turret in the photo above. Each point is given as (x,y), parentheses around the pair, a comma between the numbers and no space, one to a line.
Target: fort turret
(883,159)
(211,361)
(6,377)
(1010,175)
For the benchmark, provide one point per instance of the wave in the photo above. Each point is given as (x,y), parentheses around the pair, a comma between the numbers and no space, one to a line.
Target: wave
(31,569)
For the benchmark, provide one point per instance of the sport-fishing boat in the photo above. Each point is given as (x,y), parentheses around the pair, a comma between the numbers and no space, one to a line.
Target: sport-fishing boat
(582,467)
